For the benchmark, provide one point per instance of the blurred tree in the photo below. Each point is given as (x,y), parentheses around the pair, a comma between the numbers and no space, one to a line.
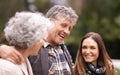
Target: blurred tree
(43,5)
(102,16)
(8,9)
(30,5)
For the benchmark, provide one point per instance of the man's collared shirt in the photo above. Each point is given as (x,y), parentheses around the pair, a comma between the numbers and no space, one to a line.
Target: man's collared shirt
(57,61)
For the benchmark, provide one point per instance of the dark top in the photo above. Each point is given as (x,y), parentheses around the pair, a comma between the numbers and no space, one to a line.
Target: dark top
(40,62)
(91,70)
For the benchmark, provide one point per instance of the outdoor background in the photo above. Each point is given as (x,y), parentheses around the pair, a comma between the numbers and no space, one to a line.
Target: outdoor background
(102,16)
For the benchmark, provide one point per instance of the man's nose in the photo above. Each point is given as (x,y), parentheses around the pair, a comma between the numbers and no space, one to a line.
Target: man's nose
(67,31)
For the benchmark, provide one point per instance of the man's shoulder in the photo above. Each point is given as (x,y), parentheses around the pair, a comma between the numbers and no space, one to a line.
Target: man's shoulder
(42,49)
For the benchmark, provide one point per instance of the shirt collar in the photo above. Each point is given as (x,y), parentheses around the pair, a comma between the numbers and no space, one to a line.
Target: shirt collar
(47,44)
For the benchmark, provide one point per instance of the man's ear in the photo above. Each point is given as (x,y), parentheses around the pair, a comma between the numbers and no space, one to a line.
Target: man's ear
(52,20)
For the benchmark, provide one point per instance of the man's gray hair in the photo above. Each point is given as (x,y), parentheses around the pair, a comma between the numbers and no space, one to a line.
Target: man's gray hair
(60,10)
(26,28)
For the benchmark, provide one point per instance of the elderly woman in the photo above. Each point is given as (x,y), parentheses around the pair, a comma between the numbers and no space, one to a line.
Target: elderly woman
(24,32)
(92,57)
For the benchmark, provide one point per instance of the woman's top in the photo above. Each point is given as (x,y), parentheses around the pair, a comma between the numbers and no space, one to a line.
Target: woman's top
(9,68)
(91,70)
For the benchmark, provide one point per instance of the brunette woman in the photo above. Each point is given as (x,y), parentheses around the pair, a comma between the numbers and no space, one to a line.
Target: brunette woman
(92,57)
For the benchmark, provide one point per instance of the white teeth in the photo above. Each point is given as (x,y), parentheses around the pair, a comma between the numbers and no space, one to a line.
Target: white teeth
(62,36)
(87,56)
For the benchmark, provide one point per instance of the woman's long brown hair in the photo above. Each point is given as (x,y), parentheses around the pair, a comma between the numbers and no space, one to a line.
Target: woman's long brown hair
(103,58)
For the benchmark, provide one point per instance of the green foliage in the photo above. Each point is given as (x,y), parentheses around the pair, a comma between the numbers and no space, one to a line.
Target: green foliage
(1,25)
(117,72)
(102,16)
(43,5)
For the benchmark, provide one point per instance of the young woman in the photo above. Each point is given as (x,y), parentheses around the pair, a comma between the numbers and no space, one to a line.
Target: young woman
(92,57)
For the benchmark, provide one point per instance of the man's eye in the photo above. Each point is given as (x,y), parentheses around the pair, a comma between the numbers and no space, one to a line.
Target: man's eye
(63,25)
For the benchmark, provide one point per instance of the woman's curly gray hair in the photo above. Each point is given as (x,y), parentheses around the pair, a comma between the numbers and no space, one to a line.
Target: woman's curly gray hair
(26,28)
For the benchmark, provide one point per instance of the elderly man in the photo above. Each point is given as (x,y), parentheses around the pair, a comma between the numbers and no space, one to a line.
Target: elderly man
(53,57)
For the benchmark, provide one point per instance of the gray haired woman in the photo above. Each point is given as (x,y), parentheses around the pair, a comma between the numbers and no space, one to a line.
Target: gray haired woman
(24,32)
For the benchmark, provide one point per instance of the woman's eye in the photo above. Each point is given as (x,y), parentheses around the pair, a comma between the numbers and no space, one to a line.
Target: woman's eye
(84,47)
(93,47)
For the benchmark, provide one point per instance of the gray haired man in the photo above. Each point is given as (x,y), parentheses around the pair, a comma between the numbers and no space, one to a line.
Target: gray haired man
(53,57)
